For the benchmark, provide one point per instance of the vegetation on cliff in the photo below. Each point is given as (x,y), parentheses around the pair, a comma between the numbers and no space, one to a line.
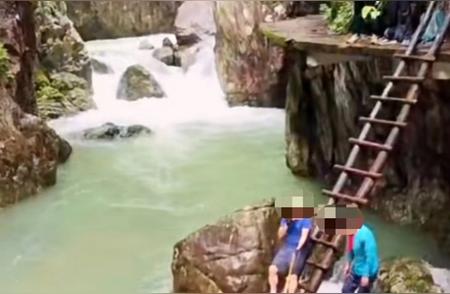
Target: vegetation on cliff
(61,94)
(339,15)
(5,73)
(63,81)
(29,150)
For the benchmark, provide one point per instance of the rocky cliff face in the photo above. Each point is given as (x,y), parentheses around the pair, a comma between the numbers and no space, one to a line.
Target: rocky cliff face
(231,256)
(248,65)
(114,19)
(323,105)
(29,150)
(63,81)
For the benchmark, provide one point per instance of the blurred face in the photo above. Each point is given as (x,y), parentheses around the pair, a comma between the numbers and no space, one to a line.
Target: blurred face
(339,220)
(296,207)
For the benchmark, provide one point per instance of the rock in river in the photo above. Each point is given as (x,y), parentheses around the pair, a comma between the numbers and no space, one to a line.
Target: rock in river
(406,275)
(101,67)
(136,83)
(146,45)
(231,256)
(165,54)
(110,131)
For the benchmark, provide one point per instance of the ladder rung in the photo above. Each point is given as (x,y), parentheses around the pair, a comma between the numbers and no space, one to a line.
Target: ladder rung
(393,99)
(361,201)
(318,265)
(325,243)
(370,144)
(425,58)
(392,123)
(359,172)
(407,79)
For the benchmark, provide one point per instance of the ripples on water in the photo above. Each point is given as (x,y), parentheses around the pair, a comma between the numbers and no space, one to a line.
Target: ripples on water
(109,224)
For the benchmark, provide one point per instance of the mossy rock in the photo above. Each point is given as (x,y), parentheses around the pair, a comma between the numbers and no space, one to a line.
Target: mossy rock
(65,81)
(5,72)
(406,275)
(138,83)
(61,94)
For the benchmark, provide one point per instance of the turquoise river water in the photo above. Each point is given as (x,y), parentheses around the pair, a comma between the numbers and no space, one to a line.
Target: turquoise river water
(109,224)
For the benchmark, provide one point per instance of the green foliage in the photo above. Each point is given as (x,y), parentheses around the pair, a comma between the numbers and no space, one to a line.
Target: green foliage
(41,80)
(59,94)
(373,12)
(49,93)
(5,73)
(370,12)
(339,15)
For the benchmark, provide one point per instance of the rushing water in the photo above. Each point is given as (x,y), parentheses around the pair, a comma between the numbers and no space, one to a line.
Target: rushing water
(109,224)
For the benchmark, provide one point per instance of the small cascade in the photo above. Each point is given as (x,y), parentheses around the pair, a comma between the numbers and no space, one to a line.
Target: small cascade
(193,96)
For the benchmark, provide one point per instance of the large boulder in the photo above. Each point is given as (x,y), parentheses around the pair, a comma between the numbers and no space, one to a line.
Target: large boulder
(29,150)
(61,54)
(136,83)
(230,256)
(406,275)
(110,131)
(248,66)
(115,19)
(322,110)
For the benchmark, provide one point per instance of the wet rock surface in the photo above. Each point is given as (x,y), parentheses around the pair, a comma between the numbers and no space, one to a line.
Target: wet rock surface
(29,150)
(110,131)
(249,67)
(114,19)
(165,54)
(230,256)
(406,275)
(136,83)
(100,67)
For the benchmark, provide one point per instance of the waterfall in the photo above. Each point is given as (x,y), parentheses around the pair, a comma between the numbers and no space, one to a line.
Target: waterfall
(193,96)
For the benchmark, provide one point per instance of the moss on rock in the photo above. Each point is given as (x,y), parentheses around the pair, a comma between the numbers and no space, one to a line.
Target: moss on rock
(63,82)
(406,275)
(5,73)
(61,94)
(138,83)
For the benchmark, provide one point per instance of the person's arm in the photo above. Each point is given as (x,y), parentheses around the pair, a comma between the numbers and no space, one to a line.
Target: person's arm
(307,225)
(282,230)
(303,238)
(370,256)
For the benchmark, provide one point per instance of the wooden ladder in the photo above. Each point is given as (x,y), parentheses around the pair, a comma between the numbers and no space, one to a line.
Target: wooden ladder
(368,177)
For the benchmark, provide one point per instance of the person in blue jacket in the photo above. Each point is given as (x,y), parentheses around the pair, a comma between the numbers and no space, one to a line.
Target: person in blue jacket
(362,263)
(295,234)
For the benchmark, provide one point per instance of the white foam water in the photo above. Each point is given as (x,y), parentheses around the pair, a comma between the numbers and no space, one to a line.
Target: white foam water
(194,96)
